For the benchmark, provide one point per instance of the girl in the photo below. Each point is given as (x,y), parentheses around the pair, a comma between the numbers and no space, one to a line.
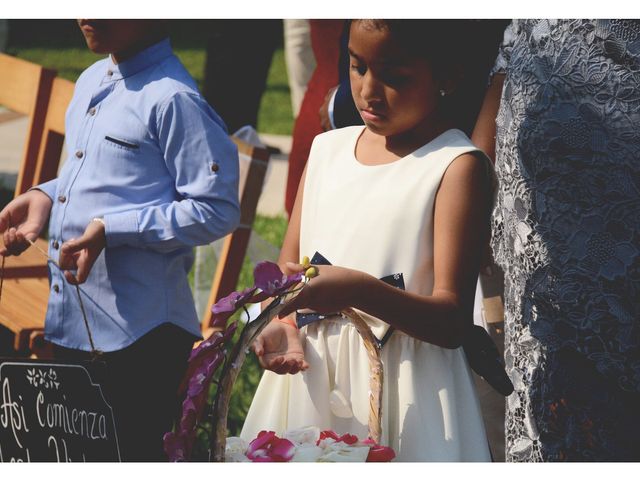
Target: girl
(406,194)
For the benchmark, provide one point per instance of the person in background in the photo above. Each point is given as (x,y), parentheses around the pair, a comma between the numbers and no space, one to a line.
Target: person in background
(562,115)
(151,173)
(239,54)
(299,58)
(325,41)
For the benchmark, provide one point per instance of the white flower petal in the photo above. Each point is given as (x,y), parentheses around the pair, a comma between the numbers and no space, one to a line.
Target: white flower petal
(304,435)
(307,453)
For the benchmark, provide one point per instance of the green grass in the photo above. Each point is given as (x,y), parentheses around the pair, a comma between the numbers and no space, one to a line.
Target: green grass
(275,115)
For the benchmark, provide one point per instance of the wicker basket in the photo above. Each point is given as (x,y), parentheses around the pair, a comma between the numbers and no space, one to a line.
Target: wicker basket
(238,354)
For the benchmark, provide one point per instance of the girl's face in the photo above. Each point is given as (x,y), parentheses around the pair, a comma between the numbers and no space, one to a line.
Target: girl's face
(395,93)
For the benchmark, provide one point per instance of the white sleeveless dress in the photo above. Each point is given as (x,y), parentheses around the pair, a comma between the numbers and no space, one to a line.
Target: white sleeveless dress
(377,219)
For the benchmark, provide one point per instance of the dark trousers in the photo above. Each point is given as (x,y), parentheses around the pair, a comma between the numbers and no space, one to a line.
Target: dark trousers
(140,384)
(239,54)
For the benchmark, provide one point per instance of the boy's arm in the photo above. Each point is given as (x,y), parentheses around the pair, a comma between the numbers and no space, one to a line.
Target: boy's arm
(204,164)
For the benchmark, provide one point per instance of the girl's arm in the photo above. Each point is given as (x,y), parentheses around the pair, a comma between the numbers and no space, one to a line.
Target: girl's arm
(461,226)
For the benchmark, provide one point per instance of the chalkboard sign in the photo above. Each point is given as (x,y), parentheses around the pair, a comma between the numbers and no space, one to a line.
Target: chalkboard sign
(54,412)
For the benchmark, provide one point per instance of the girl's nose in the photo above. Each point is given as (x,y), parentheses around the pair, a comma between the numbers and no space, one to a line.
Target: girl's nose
(370,88)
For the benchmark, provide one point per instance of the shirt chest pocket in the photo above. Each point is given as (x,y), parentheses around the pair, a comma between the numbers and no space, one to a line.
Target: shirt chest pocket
(121,144)
(124,156)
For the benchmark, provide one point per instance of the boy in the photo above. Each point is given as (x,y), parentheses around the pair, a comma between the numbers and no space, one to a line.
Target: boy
(150,173)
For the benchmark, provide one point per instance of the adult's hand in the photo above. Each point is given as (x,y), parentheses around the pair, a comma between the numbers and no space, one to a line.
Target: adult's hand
(80,254)
(22,220)
(325,121)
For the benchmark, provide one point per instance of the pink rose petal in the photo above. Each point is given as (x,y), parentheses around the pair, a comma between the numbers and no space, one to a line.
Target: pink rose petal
(282,450)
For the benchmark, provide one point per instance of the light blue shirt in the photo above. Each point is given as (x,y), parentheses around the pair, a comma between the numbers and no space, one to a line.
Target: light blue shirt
(150,156)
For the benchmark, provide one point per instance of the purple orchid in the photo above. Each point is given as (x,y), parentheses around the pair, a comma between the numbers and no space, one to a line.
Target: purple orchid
(175,447)
(210,354)
(202,376)
(272,282)
(215,341)
(227,306)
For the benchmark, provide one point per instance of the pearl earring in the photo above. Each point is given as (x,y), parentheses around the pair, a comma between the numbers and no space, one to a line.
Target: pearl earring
(442,92)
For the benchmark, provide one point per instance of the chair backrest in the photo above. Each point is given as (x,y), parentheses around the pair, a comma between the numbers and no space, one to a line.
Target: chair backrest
(253,168)
(25,88)
(53,131)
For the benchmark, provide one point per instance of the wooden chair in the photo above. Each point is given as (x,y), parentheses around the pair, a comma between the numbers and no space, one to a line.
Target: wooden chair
(53,131)
(253,168)
(32,264)
(25,88)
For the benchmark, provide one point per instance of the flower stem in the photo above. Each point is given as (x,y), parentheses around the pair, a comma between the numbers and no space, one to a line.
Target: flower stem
(230,373)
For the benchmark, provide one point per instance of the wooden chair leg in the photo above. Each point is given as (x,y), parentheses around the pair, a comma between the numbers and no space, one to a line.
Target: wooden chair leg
(38,346)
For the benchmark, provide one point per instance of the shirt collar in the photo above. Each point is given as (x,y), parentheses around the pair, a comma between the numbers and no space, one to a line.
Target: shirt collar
(140,61)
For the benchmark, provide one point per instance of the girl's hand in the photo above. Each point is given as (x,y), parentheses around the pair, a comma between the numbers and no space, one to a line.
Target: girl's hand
(80,254)
(22,220)
(279,348)
(332,290)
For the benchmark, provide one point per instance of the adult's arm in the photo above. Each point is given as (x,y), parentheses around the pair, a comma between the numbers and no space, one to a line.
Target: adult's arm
(484,131)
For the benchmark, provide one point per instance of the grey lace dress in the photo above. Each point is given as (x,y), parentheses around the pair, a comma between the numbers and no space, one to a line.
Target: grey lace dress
(566,231)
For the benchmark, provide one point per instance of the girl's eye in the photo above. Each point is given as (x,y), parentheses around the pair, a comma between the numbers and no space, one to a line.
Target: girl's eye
(394,78)
(360,69)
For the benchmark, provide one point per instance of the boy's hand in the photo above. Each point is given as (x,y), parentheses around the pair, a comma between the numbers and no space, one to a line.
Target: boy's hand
(80,254)
(22,220)
(332,290)
(279,348)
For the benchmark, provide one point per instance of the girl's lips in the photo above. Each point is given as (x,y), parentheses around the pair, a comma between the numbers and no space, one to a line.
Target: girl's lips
(371,116)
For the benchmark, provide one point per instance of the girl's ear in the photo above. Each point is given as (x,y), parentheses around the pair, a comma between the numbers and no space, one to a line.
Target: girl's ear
(452,78)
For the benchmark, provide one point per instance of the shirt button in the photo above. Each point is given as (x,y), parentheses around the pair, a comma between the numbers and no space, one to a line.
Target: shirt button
(79,154)
(215,167)
(55,244)
(92,111)
(62,199)
(56,288)
(109,72)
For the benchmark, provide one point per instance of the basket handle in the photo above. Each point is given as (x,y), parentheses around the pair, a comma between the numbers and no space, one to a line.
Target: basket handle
(376,373)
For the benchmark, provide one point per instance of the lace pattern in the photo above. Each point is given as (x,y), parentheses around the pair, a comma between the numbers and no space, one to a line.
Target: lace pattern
(566,231)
